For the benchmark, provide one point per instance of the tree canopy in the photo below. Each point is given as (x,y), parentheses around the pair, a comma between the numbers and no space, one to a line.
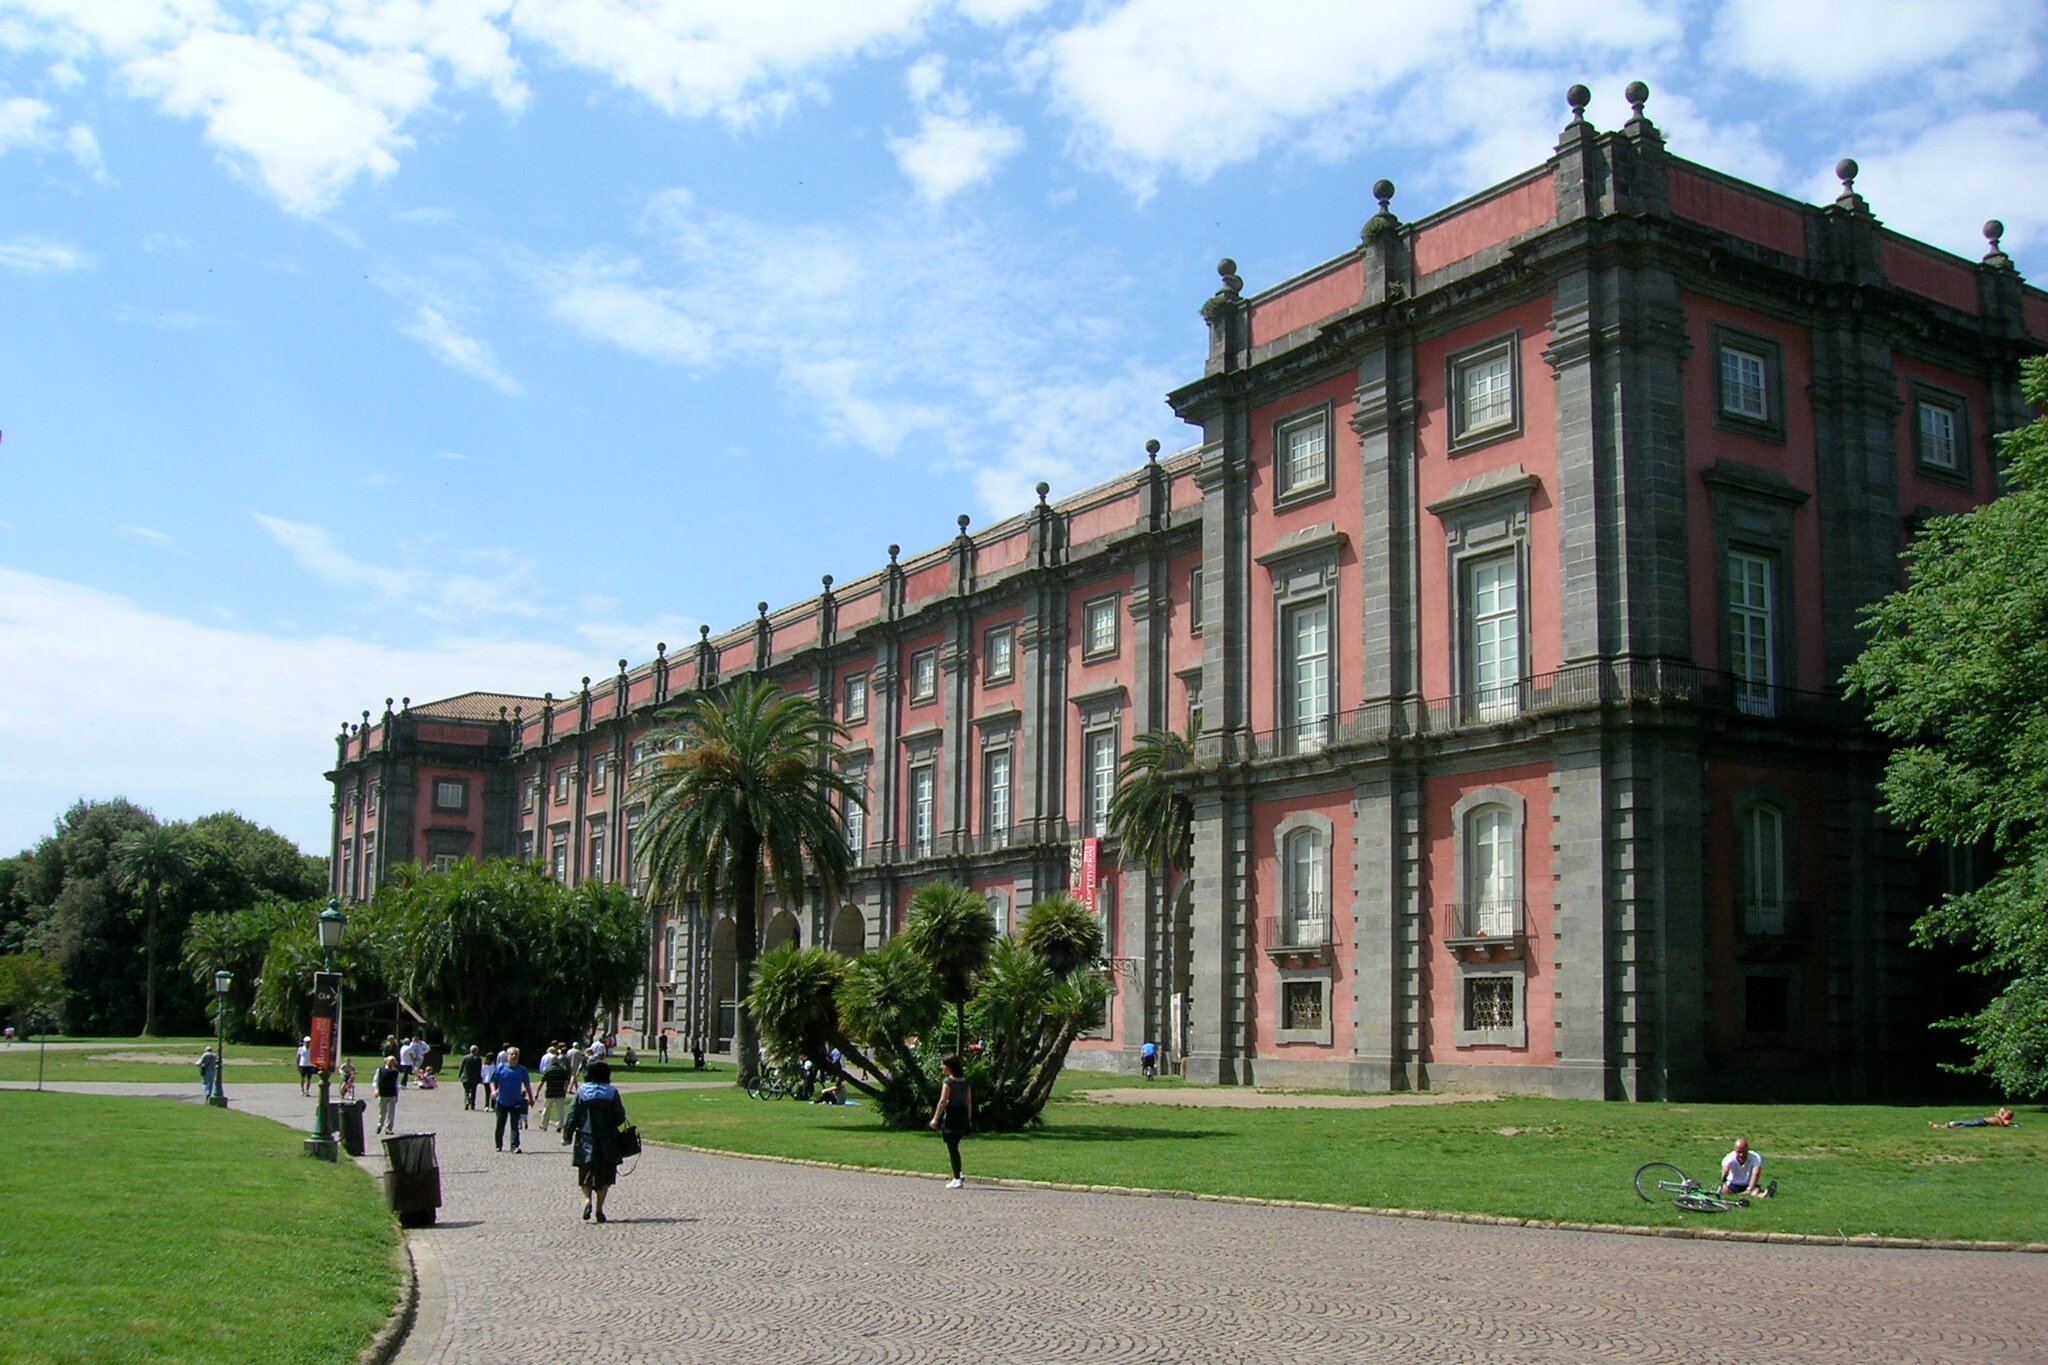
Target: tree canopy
(1957,671)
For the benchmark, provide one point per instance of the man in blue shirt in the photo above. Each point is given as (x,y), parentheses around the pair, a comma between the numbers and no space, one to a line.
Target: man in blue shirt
(512,1096)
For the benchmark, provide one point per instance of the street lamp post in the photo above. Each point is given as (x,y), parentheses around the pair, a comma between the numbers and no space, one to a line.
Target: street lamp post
(223,982)
(331,923)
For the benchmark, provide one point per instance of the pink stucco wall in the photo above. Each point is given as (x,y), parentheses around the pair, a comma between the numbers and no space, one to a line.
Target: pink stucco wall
(1940,278)
(1507,215)
(1738,212)
(1310,300)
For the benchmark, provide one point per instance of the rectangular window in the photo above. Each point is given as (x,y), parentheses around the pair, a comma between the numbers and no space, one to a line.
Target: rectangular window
(1482,392)
(1301,1005)
(1307,644)
(923,810)
(595,869)
(1306,873)
(562,785)
(857,820)
(1749,633)
(450,794)
(1100,767)
(1098,628)
(1489,1003)
(1763,870)
(1745,384)
(1941,434)
(558,858)
(995,801)
(443,863)
(369,886)
(632,849)
(1303,456)
(1493,638)
(1195,706)
(526,846)
(529,793)
(1493,872)
(1766,1005)
(348,809)
(1195,600)
(370,802)
(856,708)
(600,767)
(998,654)
(924,675)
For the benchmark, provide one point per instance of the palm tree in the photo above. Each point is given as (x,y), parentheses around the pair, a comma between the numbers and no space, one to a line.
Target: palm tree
(950,927)
(1150,815)
(151,859)
(742,783)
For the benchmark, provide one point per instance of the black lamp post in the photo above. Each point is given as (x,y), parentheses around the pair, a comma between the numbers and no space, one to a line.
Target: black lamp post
(223,982)
(331,924)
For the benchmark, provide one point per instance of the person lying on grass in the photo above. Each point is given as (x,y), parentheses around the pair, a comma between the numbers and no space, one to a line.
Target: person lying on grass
(2002,1119)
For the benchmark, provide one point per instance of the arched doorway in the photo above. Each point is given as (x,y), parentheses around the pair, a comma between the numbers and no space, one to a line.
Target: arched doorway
(849,931)
(782,931)
(725,980)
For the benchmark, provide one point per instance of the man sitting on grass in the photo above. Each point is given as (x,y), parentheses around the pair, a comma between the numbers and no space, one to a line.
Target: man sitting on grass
(1742,1171)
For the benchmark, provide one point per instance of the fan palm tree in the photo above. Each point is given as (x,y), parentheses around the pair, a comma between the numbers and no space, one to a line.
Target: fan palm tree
(950,927)
(740,785)
(151,859)
(1152,818)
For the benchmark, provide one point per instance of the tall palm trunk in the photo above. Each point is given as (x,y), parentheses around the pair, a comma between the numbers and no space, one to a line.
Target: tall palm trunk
(150,897)
(746,946)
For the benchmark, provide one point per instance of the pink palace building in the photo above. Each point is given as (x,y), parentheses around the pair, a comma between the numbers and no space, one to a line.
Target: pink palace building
(1508,587)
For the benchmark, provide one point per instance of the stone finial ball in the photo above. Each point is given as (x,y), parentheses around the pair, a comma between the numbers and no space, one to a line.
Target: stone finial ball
(962,519)
(761,607)
(703,632)
(1846,170)
(622,665)
(1993,230)
(826,580)
(1226,266)
(1637,94)
(1578,97)
(895,550)
(1152,447)
(1043,488)
(586,682)
(1383,190)
(661,646)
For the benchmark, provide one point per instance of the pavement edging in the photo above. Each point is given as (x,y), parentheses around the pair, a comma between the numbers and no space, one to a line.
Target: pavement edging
(1861,1241)
(390,1338)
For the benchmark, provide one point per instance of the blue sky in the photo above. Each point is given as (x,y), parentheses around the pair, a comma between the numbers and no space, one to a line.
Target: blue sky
(357,348)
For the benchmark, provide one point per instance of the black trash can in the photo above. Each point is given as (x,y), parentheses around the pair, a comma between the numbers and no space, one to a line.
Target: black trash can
(345,1121)
(412,1178)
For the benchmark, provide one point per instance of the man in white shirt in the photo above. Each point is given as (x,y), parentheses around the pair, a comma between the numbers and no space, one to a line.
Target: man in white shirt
(1742,1173)
(306,1065)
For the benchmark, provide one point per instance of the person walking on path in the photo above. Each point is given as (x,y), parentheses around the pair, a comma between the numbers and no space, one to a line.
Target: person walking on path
(593,1124)
(512,1096)
(954,1113)
(664,1047)
(554,1089)
(471,1073)
(209,1073)
(385,1083)
(306,1065)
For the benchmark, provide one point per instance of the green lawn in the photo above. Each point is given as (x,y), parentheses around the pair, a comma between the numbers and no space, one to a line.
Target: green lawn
(176,1061)
(142,1230)
(1844,1170)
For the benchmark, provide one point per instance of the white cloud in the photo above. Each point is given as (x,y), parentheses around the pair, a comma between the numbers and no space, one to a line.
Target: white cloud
(22,122)
(145,535)
(1939,183)
(85,150)
(1837,44)
(234,718)
(493,584)
(999,12)
(459,350)
(34,257)
(744,63)
(948,154)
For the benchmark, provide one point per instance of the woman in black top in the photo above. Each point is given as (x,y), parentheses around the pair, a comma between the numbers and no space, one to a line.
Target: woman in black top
(387,1096)
(593,1123)
(954,1114)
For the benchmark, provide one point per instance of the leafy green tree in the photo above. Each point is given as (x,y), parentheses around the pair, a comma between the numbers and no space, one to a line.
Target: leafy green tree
(31,990)
(152,859)
(950,927)
(1957,671)
(1031,998)
(742,786)
(498,950)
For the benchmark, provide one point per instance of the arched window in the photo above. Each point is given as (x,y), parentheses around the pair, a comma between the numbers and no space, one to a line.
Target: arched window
(1761,829)
(999,910)
(1493,871)
(1305,878)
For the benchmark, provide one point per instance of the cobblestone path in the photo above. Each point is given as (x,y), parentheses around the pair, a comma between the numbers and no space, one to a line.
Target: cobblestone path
(720,1260)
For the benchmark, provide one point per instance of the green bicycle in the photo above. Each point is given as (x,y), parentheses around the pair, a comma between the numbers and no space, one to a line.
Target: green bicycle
(1657,1179)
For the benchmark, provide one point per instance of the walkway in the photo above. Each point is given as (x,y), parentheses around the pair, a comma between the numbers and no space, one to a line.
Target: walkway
(722,1260)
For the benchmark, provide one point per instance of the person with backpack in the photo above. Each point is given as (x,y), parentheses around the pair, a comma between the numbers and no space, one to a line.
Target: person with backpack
(593,1126)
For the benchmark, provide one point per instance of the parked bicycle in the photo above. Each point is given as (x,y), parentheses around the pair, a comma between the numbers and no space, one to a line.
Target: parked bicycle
(1662,1179)
(769,1084)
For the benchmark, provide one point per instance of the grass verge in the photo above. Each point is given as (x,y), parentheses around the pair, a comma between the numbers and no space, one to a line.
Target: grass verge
(1845,1170)
(176,1063)
(182,1234)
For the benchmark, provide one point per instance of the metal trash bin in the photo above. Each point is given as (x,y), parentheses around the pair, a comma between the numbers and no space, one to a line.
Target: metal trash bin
(412,1178)
(345,1121)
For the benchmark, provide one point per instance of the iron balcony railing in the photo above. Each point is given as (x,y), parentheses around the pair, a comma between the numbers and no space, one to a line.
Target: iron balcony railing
(1295,933)
(1483,921)
(1579,687)
(1770,918)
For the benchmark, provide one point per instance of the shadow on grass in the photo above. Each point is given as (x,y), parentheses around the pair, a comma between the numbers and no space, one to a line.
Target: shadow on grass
(1110,1132)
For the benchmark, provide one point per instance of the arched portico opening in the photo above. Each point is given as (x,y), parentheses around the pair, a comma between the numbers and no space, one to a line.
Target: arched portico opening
(724,984)
(849,931)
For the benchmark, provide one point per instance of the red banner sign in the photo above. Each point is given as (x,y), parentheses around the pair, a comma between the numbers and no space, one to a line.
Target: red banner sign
(1091,853)
(323,1042)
